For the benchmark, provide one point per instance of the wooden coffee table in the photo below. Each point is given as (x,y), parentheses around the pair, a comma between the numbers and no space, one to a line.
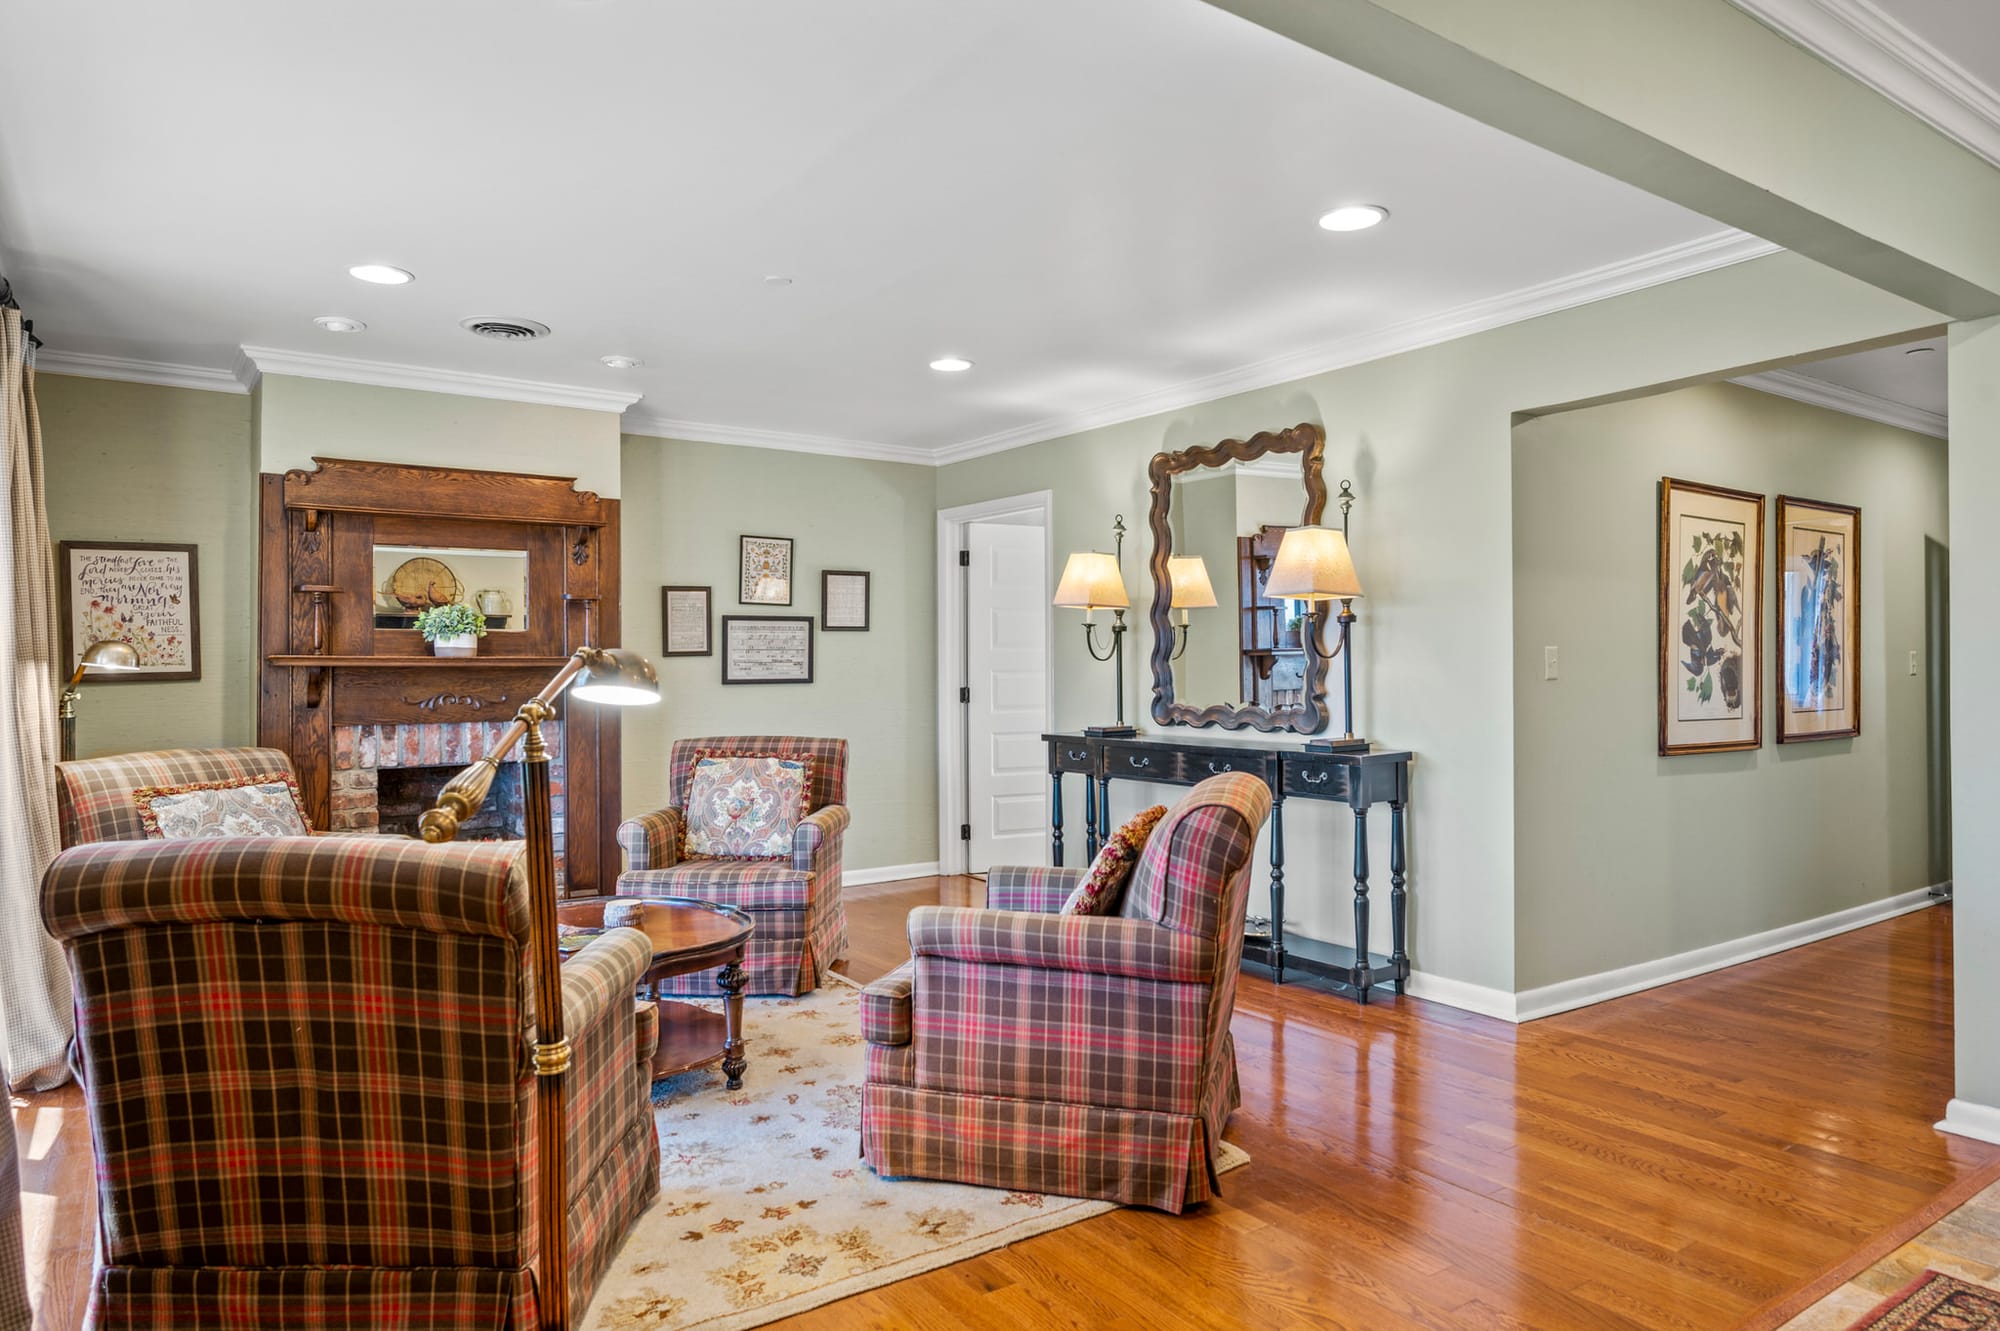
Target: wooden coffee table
(687,936)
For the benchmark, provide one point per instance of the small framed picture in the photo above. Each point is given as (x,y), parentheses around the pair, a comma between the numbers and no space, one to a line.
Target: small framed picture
(141,593)
(766,567)
(687,621)
(767,649)
(1711,659)
(1819,620)
(843,601)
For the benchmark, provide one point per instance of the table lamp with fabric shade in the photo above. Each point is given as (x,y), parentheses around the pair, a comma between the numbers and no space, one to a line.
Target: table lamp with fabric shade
(1313,564)
(612,677)
(1187,578)
(113,656)
(1091,581)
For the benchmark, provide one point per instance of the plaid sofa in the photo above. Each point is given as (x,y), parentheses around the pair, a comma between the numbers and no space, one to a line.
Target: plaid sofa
(307,1066)
(1088,1056)
(796,902)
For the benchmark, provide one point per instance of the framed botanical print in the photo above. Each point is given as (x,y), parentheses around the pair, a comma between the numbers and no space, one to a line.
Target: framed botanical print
(1819,620)
(843,601)
(767,649)
(765,566)
(1711,637)
(142,593)
(687,620)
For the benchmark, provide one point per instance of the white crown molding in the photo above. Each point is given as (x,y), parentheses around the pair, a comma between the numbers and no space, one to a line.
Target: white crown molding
(656,426)
(1819,393)
(258,361)
(1704,254)
(53,361)
(1859,40)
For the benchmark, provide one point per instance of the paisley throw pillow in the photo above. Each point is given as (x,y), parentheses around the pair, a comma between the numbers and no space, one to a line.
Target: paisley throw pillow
(1100,889)
(744,806)
(267,805)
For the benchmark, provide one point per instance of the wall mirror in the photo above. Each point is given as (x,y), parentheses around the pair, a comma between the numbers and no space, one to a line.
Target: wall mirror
(1224,653)
(412,578)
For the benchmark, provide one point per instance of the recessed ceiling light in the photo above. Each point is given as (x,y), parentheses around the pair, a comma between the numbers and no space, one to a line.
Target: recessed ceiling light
(381,274)
(339,323)
(1354,217)
(1919,351)
(776,280)
(951,364)
(622,362)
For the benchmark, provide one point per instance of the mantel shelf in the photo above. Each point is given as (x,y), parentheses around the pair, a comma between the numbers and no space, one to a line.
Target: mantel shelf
(424,662)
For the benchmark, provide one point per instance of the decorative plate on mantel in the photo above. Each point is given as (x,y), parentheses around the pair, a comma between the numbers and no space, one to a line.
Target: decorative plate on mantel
(423,582)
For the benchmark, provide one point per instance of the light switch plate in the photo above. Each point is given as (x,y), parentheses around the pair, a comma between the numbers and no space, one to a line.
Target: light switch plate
(1548,663)
(1913,663)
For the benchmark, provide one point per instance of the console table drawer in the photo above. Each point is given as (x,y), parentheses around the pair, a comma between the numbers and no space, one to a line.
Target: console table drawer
(1147,763)
(1315,778)
(1068,755)
(1200,766)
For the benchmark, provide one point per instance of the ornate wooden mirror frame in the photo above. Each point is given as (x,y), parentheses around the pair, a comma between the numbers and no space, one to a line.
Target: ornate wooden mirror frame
(1310,716)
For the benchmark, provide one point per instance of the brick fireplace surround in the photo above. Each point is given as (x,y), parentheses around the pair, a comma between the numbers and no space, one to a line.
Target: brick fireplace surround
(439,749)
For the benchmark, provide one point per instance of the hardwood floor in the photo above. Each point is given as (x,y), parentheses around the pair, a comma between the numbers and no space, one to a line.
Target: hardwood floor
(1673,1159)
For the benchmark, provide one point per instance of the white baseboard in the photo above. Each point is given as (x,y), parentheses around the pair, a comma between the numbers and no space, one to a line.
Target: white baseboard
(888,873)
(1459,994)
(1966,1119)
(1567,995)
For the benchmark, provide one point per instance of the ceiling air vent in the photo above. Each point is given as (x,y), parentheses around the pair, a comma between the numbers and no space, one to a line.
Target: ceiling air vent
(505,330)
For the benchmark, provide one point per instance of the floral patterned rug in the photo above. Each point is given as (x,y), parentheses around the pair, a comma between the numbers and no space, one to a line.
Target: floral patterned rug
(768,1209)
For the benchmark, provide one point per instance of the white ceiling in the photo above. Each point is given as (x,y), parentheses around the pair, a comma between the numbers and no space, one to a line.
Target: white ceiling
(1965,32)
(1104,203)
(1911,375)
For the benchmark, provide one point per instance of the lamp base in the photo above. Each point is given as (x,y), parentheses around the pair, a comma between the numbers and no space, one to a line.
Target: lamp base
(1111,732)
(1345,744)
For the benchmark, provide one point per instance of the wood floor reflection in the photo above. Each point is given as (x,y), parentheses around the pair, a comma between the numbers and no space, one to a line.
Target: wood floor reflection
(1672,1159)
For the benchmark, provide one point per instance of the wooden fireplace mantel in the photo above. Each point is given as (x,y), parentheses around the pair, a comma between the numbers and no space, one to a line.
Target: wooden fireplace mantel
(323,663)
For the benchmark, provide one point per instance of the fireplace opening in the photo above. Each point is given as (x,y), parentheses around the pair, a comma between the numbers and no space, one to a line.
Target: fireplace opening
(404,793)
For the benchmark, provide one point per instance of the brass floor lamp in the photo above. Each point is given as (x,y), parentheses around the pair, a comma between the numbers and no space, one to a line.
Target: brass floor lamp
(97,656)
(594,674)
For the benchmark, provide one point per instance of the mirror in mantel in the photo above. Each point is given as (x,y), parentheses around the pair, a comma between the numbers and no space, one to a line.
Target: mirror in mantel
(1225,654)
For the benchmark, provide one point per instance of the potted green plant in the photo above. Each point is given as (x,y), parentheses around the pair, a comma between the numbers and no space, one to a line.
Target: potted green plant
(452,630)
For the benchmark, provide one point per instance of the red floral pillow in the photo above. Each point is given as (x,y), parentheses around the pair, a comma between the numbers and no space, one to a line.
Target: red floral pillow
(1100,889)
(744,806)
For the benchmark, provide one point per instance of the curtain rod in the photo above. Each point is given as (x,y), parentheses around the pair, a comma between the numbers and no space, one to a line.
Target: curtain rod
(7,302)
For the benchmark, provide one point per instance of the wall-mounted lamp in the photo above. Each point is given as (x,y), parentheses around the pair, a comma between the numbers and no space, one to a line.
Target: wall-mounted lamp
(1091,581)
(1188,577)
(98,656)
(1313,565)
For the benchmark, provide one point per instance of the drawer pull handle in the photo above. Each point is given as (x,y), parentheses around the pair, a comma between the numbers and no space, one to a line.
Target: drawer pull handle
(1219,768)
(1137,761)
(1075,755)
(1315,778)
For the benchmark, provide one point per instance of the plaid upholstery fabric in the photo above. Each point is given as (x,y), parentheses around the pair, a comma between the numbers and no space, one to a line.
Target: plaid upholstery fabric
(309,1082)
(1102,945)
(652,840)
(801,915)
(829,763)
(94,796)
(885,1007)
(14,1311)
(1037,888)
(1078,1055)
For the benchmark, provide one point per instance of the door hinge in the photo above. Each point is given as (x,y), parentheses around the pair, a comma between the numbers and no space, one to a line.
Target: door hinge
(965,831)
(965,559)
(965,693)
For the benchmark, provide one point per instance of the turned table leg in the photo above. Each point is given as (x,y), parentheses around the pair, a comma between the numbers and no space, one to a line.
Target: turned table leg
(733,1061)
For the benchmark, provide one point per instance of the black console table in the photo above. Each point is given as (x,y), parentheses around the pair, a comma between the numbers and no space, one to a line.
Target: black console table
(1359,779)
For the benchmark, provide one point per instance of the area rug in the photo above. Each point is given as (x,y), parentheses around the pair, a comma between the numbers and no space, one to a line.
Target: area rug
(1936,1302)
(768,1209)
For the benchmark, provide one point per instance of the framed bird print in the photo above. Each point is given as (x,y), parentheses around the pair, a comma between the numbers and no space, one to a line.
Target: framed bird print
(1819,620)
(141,593)
(1711,635)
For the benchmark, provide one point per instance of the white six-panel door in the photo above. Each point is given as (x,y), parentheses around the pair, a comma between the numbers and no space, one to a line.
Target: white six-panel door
(1007,652)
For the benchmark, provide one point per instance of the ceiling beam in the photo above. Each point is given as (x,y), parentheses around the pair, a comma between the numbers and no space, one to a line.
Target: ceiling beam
(1698,103)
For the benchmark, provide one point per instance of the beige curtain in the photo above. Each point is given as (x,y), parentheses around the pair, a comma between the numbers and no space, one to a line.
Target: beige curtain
(34,979)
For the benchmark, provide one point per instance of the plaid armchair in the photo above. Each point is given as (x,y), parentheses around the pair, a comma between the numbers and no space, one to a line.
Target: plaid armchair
(94,795)
(801,920)
(1088,1056)
(307,1065)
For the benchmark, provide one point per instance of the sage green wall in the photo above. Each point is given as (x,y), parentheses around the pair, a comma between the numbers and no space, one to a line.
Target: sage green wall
(1623,856)
(300,419)
(684,506)
(1427,437)
(137,462)
(1975,713)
